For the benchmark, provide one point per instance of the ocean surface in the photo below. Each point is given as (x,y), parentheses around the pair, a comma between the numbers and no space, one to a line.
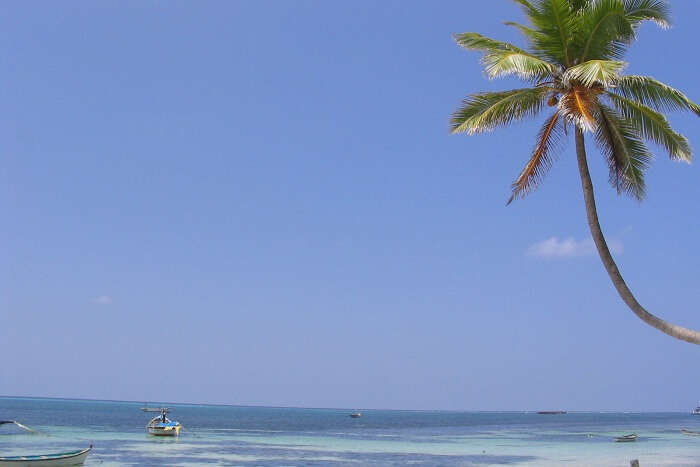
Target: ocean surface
(265,436)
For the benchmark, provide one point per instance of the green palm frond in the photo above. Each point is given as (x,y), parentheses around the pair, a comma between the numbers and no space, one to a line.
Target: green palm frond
(578,5)
(605,31)
(557,23)
(486,111)
(656,11)
(549,139)
(532,36)
(600,72)
(653,93)
(524,65)
(526,4)
(625,152)
(608,27)
(652,126)
(476,41)
(528,32)
(503,58)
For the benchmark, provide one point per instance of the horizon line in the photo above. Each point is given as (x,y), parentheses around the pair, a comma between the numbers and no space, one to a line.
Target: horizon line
(87,399)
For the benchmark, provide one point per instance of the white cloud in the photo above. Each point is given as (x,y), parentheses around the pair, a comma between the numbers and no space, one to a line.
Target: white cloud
(569,247)
(103,300)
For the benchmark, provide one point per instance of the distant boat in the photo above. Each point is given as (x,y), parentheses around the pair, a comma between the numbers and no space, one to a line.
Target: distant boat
(551,412)
(626,438)
(356,415)
(162,425)
(689,432)
(696,411)
(47,460)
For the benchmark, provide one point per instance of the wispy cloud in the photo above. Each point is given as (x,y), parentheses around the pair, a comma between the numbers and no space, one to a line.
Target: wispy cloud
(569,247)
(103,300)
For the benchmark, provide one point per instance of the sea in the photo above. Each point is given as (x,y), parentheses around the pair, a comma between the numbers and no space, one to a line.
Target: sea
(275,436)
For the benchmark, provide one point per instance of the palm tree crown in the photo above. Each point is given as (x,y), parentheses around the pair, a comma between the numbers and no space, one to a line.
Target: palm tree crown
(574,66)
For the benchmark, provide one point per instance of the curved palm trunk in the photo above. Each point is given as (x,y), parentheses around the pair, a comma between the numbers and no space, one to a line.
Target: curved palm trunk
(673,330)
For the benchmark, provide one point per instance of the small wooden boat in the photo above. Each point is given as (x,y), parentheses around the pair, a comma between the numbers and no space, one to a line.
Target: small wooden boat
(47,460)
(626,438)
(355,415)
(162,425)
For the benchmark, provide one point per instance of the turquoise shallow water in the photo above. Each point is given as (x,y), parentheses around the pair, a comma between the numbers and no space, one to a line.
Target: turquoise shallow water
(264,436)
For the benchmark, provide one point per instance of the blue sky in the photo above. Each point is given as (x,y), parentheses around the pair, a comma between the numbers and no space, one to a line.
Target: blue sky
(260,203)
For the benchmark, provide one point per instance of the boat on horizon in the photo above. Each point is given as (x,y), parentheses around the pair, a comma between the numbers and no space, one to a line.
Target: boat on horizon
(626,438)
(551,412)
(161,425)
(60,459)
(696,410)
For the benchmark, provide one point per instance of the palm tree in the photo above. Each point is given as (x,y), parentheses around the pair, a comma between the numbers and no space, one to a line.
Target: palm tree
(573,66)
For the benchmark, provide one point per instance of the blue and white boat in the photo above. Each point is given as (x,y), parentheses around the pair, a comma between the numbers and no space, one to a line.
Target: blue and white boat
(162,425)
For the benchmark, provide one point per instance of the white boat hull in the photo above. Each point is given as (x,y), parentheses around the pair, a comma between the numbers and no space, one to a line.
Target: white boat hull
(48,460)
(165,431)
